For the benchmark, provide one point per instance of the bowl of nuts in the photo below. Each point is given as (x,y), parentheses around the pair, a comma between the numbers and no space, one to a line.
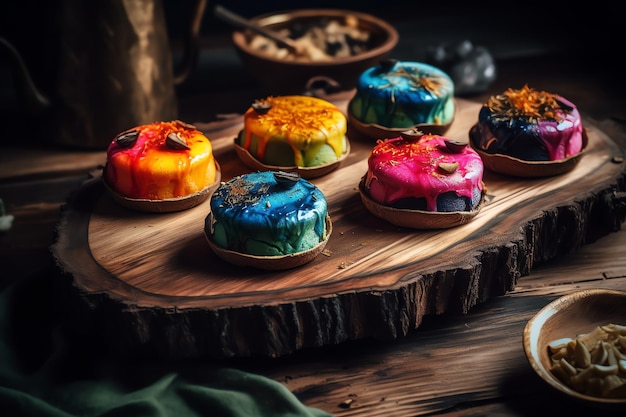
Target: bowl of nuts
(577,344)
(333,47)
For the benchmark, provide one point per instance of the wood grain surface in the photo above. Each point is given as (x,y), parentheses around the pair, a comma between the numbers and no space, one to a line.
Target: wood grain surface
(152,283)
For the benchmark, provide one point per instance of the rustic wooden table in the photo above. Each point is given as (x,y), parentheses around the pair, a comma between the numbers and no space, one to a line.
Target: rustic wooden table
(453,364)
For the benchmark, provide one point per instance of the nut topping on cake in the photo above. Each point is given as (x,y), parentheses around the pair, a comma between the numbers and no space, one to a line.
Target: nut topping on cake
(127,139)
(286,179)
(261,106)
(388,64)
(412,134)
(174,141)
(448,167)
(455,146)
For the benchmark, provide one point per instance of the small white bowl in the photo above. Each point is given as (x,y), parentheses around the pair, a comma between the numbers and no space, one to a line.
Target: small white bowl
(567,317)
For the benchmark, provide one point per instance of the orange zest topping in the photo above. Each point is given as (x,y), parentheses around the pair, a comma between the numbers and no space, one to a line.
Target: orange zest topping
(525,102)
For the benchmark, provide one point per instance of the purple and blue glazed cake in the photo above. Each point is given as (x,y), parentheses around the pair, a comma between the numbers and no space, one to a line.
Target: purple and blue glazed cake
(528,124)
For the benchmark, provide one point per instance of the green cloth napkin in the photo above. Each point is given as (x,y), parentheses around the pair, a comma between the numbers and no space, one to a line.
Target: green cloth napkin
(43,373)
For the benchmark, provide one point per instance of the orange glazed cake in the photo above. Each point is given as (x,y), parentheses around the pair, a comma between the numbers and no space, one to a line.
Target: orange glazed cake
(287,131)
(160,161)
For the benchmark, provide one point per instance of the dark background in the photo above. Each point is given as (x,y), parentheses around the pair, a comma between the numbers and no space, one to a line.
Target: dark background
(586,37)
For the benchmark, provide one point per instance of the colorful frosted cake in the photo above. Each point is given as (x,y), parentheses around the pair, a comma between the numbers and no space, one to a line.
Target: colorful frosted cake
(267,214)
(402,95)
(528,124)
(431,173)
(159,161)
(288,131)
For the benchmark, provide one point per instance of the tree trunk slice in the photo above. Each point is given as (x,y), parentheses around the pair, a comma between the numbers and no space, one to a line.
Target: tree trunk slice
(151,284)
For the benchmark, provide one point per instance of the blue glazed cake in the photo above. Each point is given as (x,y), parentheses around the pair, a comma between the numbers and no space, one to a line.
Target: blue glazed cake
(267,214)
(403,95)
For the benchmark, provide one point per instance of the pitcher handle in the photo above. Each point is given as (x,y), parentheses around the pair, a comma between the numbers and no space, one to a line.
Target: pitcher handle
(33,100)
(190,54)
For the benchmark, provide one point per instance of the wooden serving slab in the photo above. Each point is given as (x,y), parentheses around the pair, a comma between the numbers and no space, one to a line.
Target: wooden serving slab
(150,283)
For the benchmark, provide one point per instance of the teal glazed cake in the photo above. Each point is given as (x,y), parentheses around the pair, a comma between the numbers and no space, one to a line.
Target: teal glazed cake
(395,96)
(270,213)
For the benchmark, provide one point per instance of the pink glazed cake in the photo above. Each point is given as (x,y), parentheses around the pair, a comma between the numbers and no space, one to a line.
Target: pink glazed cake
(429,172)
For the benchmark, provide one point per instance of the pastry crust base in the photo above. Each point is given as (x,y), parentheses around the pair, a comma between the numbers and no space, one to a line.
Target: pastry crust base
(418,219)
(270,263)
(167,205)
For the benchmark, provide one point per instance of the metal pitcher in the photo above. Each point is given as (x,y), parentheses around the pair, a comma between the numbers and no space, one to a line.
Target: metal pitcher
(114,71)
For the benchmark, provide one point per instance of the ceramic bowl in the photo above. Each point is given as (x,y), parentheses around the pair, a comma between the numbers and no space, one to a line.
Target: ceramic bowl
(280,75)
(571,315)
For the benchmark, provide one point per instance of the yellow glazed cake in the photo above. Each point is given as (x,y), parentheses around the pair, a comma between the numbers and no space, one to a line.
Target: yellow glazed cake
(159,161)
(288,131)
